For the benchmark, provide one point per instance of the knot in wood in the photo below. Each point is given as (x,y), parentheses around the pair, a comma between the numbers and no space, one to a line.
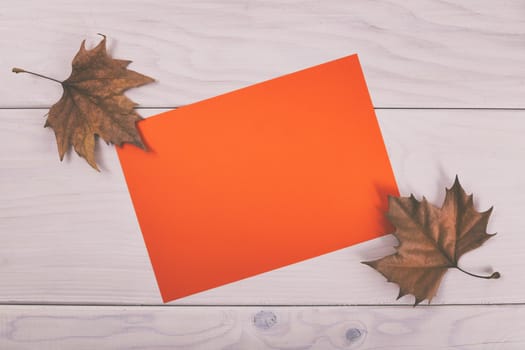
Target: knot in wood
(264,320)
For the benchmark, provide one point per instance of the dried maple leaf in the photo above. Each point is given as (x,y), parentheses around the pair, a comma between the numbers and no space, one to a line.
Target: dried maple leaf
(431,240)
(93,103)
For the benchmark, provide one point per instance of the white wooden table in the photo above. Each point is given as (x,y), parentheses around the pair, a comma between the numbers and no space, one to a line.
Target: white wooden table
(448,80)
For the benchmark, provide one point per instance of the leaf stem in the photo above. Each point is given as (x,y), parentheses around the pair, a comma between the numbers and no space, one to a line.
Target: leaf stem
(20,70)
(494,275)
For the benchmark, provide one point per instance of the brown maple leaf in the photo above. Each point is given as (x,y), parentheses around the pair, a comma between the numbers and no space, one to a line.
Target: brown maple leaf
(93,103)
(431,241)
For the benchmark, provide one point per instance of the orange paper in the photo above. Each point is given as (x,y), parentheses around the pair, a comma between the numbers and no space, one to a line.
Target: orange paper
(260,178)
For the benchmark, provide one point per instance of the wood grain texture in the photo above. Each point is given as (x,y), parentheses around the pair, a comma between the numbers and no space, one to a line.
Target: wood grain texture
(416,53)
(69,234)
(156,328)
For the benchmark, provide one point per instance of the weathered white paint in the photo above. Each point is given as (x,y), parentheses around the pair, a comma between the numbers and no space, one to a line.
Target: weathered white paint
(261,328)
(69,234)
(417,53)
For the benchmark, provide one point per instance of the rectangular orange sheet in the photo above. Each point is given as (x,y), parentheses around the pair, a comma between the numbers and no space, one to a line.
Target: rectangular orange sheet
(259,178)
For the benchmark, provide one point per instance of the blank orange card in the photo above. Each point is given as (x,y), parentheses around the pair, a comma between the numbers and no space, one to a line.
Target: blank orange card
(259,178)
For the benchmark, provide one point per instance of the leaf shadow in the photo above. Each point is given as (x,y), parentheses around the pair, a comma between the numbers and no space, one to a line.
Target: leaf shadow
(435,193)
(444,180)
(99,153)
(383,192)
(111,46)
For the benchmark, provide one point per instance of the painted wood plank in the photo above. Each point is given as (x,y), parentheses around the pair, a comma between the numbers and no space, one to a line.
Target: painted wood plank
(417,53)
(69,234)
(151,328)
